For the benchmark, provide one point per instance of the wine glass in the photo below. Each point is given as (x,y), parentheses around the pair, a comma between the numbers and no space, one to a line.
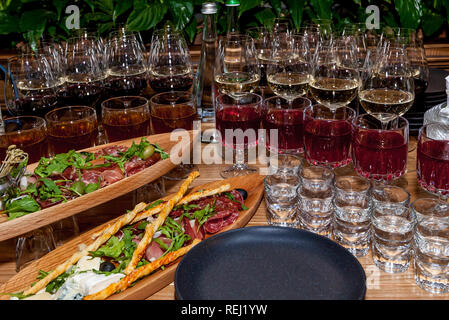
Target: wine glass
(388,91)
(30,86)
(237,70)
(289,73)
(127,68)
(335,78)
(170,64)
(238,120)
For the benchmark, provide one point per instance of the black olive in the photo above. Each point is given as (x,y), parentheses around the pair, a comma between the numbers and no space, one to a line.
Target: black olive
(243,192)
(107,266)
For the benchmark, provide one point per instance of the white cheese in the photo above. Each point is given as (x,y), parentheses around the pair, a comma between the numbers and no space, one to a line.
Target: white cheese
(40,296)
(192,223)
(88,263)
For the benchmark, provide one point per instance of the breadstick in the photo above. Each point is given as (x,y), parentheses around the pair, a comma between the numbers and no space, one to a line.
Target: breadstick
(190,197)
(108,232)
(151,228)
(143,271)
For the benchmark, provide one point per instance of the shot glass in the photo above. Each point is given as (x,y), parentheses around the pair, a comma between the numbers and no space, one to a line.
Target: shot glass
(392,227)
(352,210)
(315,196)
(431,253)
(284,164)
(281,198)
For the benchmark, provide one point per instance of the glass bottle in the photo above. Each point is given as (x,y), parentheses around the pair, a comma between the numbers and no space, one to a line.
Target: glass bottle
(233,10)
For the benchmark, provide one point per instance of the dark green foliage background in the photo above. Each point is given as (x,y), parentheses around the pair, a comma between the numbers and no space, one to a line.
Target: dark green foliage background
(29,20)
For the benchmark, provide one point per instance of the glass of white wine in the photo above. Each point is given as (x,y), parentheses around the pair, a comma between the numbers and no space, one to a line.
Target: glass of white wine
(289,73)
(335,77)
(237,71)
(388,91)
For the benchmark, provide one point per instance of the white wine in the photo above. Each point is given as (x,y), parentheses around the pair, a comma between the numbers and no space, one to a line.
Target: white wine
(237,83)
(289,85)
(383,102)
(333,91)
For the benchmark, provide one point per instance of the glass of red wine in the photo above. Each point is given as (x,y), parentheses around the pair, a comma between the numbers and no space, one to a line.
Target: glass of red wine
(286,117)
(238,121)
(28,133)
(170,111)
(380,154)
(125,117)
(30,86)
(432,165)
(127,68)
(327,135)
(170,64)
(71,128)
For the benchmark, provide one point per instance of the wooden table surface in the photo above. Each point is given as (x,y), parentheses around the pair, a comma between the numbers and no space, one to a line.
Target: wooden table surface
(380,285)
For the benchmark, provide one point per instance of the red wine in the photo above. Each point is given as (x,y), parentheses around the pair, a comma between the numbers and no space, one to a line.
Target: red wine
(63,136)
(35,102)
(126,85)
(289,123)
(126,126)
(171,78)
(327,142)
(168,118)
(238,117)
(80,94)
(433,165)
(379,155)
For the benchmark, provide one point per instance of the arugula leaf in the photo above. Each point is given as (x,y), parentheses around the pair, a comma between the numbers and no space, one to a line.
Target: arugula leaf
(21,207)
(93,186)
(113,248)
(157,148)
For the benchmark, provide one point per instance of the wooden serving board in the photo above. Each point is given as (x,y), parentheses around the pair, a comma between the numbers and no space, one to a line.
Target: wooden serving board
(13,228)
(149,285)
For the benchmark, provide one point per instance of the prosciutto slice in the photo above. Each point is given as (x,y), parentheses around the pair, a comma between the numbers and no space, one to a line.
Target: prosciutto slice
(220,220)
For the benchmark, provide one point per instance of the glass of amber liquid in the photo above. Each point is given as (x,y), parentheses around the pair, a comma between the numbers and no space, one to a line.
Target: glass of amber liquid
(125,117)
(71,128)
(28,133)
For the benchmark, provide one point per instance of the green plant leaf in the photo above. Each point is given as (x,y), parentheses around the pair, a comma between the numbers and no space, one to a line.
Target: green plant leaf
(322,8)
(106,6)
(144,18)
(121,7)
(60,6)
(410,12)
(296,9)
(266,17)
(248,5)
(181,12)
(191,30)
(35,20)
(8,23)
(277,6)
(431,22)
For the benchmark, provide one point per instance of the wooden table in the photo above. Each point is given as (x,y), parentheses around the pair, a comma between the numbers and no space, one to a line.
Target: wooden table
(380,285)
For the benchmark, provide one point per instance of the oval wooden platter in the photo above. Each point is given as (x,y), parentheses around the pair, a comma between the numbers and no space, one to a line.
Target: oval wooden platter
(159,279)
(16,227)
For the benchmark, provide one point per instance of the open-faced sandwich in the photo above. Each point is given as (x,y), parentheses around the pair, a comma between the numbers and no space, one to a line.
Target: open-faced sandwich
(139,243)
(70,175)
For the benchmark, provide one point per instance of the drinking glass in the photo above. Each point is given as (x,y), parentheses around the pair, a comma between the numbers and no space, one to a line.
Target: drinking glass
(380,153)
(127,68)
(125,117)
(170,64)
(85,74)
(388,91)
(352,215)
(315,193)
(170,111)
(432,166)
(30,86)
(28,133)
(327,135)
(392,228)
(281,199)
(288,74)
(335,78)
(238,121)
(71,128)
(237,70)
(431,244)
(284,164)
(286,117)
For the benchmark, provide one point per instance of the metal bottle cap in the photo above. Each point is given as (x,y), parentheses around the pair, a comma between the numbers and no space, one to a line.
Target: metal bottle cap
(209,8)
